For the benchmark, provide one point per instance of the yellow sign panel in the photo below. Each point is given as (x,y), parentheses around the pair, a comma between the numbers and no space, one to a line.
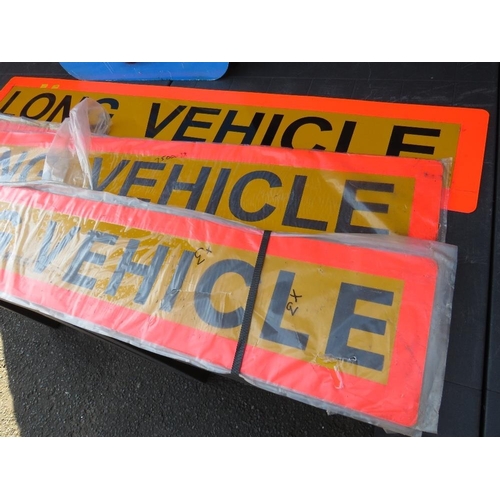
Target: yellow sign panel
(337,125)
(205,121)
(291,191)
(332,320)
(101,260)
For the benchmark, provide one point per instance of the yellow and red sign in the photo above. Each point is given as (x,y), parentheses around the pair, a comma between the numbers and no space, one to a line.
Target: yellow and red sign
(335,321)
(270,188)
(300,122)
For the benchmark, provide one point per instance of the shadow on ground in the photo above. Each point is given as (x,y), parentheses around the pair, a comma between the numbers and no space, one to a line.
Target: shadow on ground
(64,383)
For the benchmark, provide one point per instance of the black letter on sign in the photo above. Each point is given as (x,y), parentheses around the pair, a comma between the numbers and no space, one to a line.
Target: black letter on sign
(248,131)
(287,139)
(152,129)
(292,208)
(237,192)
(272,329)
(9,102)
(64,105)
(15,219)
(85,255)
(349,204)
(7,173)
(220,185)
(203,293)
(149,273)
(396,144)
(196,188)
(345,319)
(189,122)
(113,103)
(177,280)
(51,98)
(96,173)
(271,130)
(31,164)
(345,137)
(45,257)
(140,181)
(5,160)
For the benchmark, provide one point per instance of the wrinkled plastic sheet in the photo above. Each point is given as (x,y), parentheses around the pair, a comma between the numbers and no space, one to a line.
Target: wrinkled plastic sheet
(276,189)
(355,324)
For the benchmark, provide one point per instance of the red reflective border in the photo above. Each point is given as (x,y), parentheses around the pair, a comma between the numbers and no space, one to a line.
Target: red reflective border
(397,401)
(473,123)
(426,203)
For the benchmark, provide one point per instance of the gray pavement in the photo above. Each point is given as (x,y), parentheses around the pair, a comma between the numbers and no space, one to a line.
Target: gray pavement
(62,382)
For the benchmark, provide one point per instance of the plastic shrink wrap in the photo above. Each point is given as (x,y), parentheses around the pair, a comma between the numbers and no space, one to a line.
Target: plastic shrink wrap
(354,324)
(278,189)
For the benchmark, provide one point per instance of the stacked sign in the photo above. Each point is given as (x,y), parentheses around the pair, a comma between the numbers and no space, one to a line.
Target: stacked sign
(353,323)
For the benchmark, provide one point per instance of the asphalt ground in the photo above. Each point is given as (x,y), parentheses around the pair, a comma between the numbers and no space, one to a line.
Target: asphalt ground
(61,382)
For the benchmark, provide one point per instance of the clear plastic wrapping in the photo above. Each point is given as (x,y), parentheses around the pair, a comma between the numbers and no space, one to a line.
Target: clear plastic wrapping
(279,189)
(354,324)
(20,124)
(70,149)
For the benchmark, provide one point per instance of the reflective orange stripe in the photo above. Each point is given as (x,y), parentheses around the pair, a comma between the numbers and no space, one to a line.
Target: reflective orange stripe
(304,122)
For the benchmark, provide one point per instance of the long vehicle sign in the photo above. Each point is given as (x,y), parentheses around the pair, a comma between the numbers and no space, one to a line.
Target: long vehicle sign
(300,122)
(343,321)
(271,188)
